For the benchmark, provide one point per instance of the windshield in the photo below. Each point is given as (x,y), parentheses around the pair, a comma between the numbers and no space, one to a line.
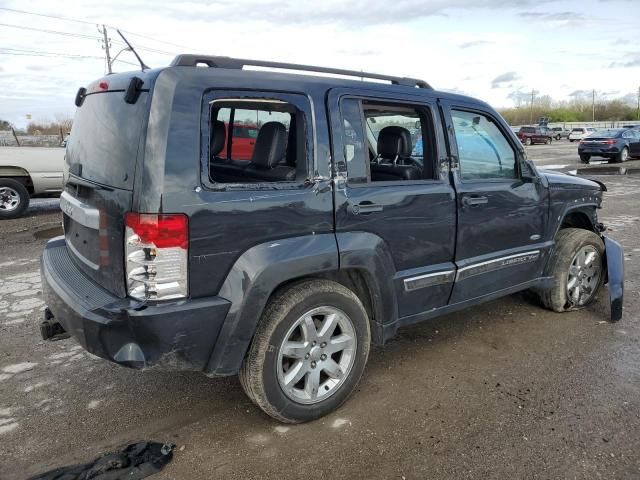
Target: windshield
(528,130)
(609,133)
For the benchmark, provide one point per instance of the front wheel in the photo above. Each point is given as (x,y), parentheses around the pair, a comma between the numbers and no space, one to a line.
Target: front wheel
(558,137)
(14,198)
(547,141)
(308,353)
(576,267)
(527,141)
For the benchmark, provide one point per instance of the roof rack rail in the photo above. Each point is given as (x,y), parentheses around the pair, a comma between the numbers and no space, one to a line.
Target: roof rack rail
(189,60)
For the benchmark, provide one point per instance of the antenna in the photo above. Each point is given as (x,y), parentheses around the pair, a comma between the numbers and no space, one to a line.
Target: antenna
(142,64)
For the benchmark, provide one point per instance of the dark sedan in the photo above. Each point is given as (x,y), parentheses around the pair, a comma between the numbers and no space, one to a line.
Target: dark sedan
(617,144)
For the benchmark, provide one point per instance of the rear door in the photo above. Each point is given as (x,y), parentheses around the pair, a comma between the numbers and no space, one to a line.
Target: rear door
(99,174)
(501,215)
(413,214)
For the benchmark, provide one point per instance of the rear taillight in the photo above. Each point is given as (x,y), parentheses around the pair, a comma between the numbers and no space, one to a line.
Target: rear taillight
(611,141)
(156,255)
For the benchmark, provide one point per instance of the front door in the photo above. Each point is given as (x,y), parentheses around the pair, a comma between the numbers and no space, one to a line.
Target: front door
(392,185)
(501,239)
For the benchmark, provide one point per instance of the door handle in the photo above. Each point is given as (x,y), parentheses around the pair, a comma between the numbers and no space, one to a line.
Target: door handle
(474,201)
(365,207)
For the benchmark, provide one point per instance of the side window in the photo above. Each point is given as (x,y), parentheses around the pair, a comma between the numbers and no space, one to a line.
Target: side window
(256,141)
(355,152)
(483,151)
(387,142)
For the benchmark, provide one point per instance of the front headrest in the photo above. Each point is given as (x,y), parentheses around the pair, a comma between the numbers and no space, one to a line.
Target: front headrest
(270,145)
(394,141)
(218,134)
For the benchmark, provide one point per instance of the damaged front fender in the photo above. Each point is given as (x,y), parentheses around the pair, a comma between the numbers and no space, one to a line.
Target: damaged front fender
(614,258)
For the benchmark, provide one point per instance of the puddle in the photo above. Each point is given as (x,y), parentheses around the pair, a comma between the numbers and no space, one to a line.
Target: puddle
(48,232)
(608,170)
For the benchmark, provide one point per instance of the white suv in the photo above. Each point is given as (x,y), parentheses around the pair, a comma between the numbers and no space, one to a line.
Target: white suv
(579,133)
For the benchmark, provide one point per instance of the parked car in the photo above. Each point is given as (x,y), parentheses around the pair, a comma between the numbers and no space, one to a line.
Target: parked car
(287,269)
(617,144)
(579,133)
(26,172)
(531,135)
(560,132)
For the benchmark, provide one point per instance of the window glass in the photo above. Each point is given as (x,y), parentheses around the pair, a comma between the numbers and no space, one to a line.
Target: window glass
(266,144)
(483,150)
(396,135)
(353,141)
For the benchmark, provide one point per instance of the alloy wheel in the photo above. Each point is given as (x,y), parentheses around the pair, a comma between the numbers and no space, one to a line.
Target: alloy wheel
(584,276)
(316,355)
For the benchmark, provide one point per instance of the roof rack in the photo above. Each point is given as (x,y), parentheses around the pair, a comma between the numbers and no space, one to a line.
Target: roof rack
(188,60)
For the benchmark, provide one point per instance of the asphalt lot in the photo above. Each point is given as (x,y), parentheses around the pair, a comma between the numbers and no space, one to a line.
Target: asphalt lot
(503,390)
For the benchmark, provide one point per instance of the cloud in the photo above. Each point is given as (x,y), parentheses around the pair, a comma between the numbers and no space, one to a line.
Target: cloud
(475,43)
(504,78)
(360,12)
(633,61)
(557,19)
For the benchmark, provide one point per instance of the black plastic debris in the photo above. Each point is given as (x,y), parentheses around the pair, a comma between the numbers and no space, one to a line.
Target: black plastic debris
(131,462)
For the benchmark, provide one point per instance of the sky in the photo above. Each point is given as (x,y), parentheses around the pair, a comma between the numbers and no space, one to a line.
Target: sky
(495,50)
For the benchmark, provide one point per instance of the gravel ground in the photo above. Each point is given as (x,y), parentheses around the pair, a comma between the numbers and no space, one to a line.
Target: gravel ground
(503,390)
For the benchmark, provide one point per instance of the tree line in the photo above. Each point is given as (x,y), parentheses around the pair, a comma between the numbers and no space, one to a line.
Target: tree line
(583,108)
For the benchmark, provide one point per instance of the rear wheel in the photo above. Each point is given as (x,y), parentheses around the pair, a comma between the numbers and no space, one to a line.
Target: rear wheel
(547,141)
(571,140)
(308,353)
(527,141)
(623,156)
(576,267)
(584,158)
(14,198)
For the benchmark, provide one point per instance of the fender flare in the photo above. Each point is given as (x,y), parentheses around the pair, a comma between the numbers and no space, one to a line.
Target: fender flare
(259,271)
(251,281)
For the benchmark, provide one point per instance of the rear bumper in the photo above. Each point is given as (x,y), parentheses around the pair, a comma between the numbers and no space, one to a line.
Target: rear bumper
(174,335)
(600,151)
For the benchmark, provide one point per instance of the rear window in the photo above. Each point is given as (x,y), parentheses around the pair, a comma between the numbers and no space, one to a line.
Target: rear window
(104,139)
(578,130)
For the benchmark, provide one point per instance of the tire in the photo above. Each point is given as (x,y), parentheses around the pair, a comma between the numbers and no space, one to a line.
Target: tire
(14,198)
(569,248)
(527,141)
(547,141)
(584,158)
(571,140)
(558,137)
(264,372)
(623,156)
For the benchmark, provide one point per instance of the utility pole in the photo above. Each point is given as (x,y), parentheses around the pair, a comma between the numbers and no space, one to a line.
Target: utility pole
(533,93)
(638,109)
(593,105)
(106,42)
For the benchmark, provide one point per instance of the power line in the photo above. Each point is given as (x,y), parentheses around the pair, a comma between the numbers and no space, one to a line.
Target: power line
(47,16)
(56,32)
(68,19)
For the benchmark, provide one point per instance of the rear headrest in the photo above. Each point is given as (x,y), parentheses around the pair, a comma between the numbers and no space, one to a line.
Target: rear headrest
(394,141)
(270,145)
(218,134)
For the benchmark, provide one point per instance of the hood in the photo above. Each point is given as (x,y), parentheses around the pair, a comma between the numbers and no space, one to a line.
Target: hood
(565,181)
